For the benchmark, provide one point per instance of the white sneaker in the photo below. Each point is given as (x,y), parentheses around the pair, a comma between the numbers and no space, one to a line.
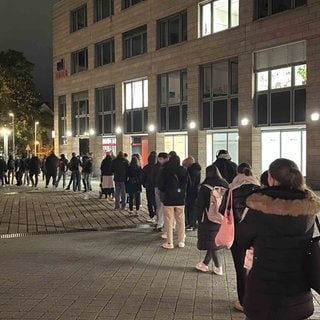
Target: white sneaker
(181,244)
(218,271)
(164,235)
(202,267)
(167,246)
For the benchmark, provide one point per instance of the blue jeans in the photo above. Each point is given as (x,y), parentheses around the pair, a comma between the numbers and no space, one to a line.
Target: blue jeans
(76,180)
(120,195)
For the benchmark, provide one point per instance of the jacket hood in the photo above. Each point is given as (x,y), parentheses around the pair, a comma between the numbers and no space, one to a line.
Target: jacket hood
(284,202)
(241,179)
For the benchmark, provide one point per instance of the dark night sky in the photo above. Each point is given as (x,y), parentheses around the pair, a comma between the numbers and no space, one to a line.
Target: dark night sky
(25,26)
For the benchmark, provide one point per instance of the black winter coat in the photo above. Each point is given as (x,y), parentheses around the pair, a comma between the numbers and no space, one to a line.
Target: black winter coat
(105,166)
(194,177)
(207,230)
(119,167)
(149,172)
(134,179)
(227,168)
(279,225)
(172,183)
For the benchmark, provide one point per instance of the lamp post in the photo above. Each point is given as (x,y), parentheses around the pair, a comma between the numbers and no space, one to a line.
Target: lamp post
(35,137)
(5,132)
(11,114)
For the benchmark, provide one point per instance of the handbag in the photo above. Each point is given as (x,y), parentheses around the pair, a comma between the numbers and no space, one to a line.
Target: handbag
(313,261)
(225,235)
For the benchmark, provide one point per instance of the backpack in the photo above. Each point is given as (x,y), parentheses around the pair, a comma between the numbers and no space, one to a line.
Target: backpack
(216,195)
(63,165)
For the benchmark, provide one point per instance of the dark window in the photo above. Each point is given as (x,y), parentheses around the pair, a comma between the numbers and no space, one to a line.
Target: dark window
(264,8)
(137,120)
(105,104)
(79,61)
(172,30)
(220,117)
(280,107)
(300,105)
(104,52)
(80,113)
(173,100)
(103,9)
(129,3)
(135,42)
(220,94)
(78,18)
(262,106)
(62,109)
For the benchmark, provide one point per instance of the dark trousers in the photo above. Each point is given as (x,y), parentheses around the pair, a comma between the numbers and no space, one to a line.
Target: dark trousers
(238,255)
(35,181)
(151,200)
(190,219)
(54,177)
(137,199)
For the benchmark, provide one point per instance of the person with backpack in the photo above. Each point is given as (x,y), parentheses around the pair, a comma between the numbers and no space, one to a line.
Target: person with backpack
(62,170)
(75,179)
(173,184)
(207,230)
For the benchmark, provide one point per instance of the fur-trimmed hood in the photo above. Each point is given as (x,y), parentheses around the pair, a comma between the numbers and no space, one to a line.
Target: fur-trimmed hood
(283,202)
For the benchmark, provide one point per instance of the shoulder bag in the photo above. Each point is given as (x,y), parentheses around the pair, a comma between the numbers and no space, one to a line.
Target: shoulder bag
(225,235)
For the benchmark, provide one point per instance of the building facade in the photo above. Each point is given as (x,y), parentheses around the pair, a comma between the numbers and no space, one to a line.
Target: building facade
(190,76)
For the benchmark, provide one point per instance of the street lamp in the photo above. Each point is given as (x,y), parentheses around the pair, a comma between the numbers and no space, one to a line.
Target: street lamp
(5,132)
(11,114)
(35,137)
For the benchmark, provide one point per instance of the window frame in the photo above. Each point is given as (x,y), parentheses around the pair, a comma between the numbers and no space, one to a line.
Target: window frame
(100,7)
(263,108)
(211,13)
(75,18)
(62,116)
(163,29)
(75,64)
(103,112)
(133,114)
(257,13)
(128,38)
(77,99)
(99,52)
(212,102)
(125,4)
(167,107)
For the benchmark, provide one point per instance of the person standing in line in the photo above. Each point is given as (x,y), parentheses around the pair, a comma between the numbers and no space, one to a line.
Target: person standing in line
(51,168)
(227,168)
(148,181)
(11,169)
(242,185)
(87,169)
(279,226)
(194,177)
(161,160)
(62,170)
(133,185)
(208,230)
(173,183)
(74,167)
(25,169)
(3,169)
(43,167)
(34,170)
(119,167)
(107,186)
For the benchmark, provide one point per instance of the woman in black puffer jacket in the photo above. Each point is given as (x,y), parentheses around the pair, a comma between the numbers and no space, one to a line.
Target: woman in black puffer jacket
(279,226)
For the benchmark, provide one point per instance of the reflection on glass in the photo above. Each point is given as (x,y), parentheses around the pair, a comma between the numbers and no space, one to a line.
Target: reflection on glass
(206,19)
(220,15)
(300,75)
(270,142)
(234,13)
(281,78)
(178,143)
(262,80)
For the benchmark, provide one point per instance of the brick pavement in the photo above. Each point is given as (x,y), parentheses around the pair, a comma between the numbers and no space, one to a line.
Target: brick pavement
(48,270)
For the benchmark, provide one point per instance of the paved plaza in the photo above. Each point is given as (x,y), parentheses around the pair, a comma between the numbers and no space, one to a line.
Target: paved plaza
(68,255)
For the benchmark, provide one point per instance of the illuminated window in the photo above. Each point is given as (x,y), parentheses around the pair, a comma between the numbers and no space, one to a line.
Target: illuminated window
(218,15)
